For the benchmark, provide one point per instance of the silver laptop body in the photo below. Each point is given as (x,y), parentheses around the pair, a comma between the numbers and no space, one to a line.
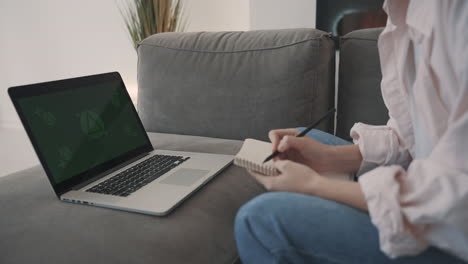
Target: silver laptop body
(77,171)
(161,195)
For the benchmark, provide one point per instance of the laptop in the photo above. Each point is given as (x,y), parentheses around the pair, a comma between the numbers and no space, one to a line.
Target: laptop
(95,151)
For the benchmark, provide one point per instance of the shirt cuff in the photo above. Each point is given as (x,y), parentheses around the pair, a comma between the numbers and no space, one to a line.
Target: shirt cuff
(375,144)
(381,188)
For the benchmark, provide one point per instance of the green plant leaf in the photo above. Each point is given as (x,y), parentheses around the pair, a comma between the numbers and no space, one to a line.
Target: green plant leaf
(144,18)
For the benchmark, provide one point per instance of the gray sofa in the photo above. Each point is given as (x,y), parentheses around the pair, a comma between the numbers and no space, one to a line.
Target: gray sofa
(199,92)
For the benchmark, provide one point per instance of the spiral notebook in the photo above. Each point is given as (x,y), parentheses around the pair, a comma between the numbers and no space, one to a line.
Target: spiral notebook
(253,153)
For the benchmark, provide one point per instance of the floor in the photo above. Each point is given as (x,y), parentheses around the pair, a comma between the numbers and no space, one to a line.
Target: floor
(16,151)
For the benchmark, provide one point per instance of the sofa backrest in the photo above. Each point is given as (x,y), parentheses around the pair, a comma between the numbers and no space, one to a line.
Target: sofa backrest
(235,85)
(359,77)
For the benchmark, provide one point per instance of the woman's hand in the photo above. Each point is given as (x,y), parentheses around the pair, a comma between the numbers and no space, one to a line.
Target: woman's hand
(303,150)
(293,177)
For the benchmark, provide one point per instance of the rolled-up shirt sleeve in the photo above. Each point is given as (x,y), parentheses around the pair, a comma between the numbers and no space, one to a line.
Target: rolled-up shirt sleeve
(427,203)
(379,145)
(382,188)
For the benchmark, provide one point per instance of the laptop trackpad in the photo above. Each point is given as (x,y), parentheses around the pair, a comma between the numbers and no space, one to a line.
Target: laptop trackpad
(185,177)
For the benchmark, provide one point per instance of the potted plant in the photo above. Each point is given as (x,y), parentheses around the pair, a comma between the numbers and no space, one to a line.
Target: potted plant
(144,18)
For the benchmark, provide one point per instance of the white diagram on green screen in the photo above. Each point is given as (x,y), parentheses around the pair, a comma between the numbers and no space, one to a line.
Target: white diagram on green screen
(92,124)
(47,117)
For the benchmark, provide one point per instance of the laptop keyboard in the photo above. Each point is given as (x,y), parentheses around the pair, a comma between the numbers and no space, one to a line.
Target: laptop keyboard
(132,179)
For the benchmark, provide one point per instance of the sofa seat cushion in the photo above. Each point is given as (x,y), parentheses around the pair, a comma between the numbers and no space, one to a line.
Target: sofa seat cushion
(35,227)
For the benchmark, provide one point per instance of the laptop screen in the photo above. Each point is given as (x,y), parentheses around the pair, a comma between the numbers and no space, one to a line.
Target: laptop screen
(77,130)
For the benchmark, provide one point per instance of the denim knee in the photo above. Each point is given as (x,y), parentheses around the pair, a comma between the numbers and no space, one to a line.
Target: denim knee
(265,212)
(259,206)
(253,209)
(253,228)
(263,226)
(270,206)
(268,211)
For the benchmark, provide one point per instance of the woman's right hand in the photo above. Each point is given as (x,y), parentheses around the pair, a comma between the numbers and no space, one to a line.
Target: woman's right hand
(304,150)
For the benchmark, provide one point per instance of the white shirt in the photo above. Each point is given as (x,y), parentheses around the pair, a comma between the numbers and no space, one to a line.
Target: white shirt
(414,173)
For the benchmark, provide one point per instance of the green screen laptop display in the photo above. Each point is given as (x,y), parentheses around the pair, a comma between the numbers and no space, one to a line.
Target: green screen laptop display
(78,129)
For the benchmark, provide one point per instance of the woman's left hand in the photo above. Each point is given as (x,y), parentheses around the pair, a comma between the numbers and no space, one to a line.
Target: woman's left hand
(293,177)
(296,177)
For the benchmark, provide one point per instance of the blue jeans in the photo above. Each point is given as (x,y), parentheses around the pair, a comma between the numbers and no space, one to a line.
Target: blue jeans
(282,227)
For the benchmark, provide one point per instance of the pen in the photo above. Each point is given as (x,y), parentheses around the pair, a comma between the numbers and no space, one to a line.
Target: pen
(331,111)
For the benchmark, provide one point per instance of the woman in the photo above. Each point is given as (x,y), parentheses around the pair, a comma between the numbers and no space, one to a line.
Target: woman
(413,172)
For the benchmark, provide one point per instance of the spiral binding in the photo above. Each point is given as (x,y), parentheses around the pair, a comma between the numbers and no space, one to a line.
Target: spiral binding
(265,169)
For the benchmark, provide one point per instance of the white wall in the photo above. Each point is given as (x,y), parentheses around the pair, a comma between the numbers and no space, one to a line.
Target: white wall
(218,15)
(53,39)
(276,14)
(234,15)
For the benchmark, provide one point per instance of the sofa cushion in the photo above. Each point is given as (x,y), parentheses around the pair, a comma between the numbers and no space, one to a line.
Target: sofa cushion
(235,84)
(359,94)
(35,227)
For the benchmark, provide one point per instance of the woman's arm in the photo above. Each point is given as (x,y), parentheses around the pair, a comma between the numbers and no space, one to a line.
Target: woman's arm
(345,192)
(345,158)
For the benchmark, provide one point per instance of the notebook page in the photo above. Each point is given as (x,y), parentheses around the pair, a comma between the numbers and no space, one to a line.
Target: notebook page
(252,155)
(255,151)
